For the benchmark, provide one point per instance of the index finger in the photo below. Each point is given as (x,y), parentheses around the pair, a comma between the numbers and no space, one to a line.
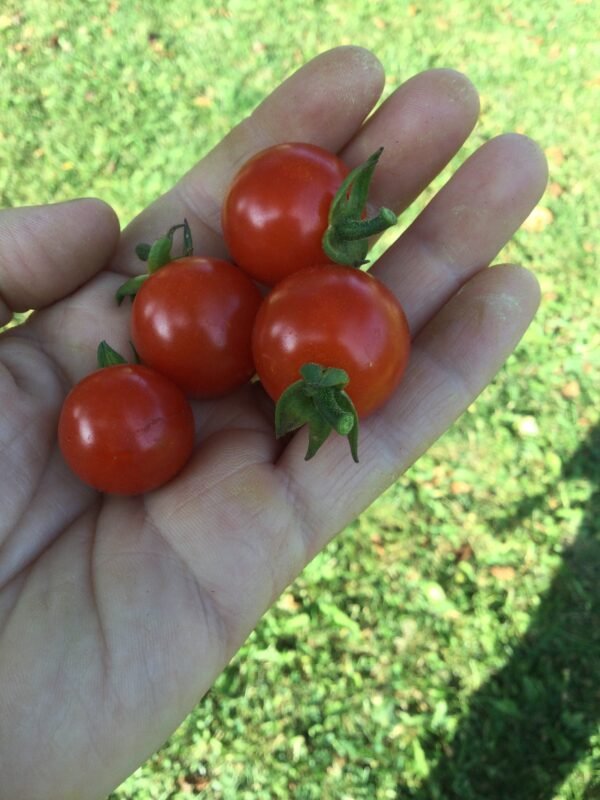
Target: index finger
(324,103)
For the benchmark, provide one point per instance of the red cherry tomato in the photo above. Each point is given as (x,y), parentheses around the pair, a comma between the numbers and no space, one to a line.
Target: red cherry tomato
(192,321)
(126,429)
(334,316)
(276,210)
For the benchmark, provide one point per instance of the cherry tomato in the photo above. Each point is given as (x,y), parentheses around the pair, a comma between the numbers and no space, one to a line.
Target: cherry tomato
(276,210)
(125,429)
(334,316)
(192,321)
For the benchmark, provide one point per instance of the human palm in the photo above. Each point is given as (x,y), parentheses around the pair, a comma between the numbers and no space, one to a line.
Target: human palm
(116,614)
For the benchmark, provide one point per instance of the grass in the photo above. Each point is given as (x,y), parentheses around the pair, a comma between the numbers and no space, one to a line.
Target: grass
(447,644)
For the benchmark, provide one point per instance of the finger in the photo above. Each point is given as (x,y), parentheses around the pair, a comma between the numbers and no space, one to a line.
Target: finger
(453,359)
(421,126)
(465,225)
(324,103)
(48,251)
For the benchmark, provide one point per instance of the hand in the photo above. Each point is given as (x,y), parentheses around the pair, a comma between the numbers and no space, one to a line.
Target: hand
(116,615)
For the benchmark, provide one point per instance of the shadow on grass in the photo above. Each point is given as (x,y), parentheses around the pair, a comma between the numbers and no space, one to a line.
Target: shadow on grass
(530,723)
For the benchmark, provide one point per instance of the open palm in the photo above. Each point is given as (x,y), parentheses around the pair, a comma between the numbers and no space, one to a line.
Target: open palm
(116,614)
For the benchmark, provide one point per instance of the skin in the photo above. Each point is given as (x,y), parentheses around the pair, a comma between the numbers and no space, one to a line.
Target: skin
(116,615)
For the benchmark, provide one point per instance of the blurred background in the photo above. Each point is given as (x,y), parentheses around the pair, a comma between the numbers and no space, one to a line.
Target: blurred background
(447,644)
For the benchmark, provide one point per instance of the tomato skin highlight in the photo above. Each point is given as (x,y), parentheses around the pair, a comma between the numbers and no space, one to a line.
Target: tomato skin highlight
(277,207)
(126,429)
(192,321)
(334,316)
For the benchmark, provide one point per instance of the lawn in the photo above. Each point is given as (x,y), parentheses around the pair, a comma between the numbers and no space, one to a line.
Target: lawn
(446,645)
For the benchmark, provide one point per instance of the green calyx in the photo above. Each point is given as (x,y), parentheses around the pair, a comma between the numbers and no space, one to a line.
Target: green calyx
(318,400)
(346,239)
(108,357)
(156,256)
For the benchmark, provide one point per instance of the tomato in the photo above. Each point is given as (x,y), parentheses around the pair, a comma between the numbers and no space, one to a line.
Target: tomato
(276,210)
(125,429)
(337,317)
(192,321)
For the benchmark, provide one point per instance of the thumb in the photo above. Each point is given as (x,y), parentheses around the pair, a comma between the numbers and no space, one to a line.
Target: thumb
(46,252)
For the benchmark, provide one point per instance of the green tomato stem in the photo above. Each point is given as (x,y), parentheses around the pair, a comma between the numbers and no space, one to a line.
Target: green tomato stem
(346,239)
(160,253)
(130,288)
(352,229)
(318,400)
(326,403)
(156,255)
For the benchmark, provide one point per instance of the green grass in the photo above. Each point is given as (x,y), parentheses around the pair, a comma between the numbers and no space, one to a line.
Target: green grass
(447,644)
